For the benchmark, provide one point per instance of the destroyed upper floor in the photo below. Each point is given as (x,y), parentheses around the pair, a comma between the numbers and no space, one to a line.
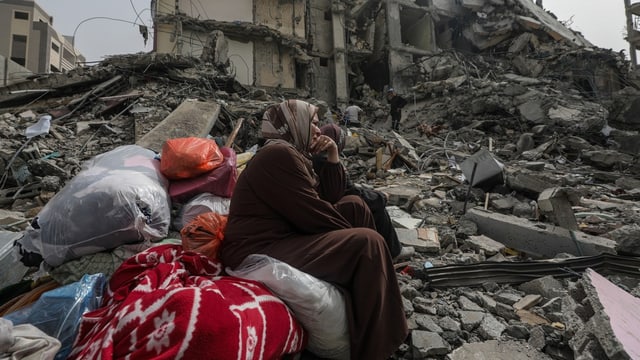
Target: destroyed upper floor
(336,50)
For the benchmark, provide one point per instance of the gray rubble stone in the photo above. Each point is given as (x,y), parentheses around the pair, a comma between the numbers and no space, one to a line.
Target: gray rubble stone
(628,183)
(408,307)
(626,238)
(503,204)
(424,305)
(51,183)
(523,210)
(485,244)
(40,167)
(487,302)
(468,305)
(508,297)
(448,324)
(546,286)
(532,111)
(525,143)
(537,338)
(552,305)
(490,328)
(469,320)
(466,228)
(517,331)
(427,343)
(497,350)
(409,292)
(607,159)
(426,322)
(401,195)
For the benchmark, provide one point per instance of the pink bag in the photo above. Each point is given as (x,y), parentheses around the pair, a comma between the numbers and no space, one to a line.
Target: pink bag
(220,181)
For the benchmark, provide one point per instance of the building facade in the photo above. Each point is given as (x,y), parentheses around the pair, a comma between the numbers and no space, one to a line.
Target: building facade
(338,49)
(28,39)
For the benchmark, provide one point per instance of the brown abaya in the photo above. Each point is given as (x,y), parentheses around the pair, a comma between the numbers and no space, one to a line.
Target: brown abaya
(276,210)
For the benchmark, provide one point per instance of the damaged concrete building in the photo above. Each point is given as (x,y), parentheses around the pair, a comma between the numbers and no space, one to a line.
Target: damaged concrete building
(337,49)
(505,255)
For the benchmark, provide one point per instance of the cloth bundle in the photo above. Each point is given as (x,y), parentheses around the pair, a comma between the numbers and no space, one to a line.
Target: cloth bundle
(166,303)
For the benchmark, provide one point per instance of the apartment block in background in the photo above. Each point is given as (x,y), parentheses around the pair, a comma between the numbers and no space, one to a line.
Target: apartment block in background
(29,43)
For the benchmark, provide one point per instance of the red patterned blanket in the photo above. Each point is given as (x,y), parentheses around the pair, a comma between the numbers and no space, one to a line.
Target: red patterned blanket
(166,303)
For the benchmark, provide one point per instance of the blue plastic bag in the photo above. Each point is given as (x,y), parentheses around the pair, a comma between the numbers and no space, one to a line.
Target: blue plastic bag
(58,312)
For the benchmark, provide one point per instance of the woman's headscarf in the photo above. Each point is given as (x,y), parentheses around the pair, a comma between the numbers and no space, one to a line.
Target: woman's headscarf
(334,132)
(289,121)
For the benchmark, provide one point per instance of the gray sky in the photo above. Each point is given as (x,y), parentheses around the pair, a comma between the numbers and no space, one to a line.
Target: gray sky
(602,22)
(97,36)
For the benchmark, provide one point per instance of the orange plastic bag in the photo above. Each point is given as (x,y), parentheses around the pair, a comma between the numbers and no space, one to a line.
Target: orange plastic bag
(184,158)
(204,234)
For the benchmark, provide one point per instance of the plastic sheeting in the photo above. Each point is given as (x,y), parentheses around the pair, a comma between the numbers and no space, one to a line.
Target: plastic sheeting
(318,305)
(119,197)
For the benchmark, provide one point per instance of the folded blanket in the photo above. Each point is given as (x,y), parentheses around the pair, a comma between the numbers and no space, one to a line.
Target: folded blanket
(165,303)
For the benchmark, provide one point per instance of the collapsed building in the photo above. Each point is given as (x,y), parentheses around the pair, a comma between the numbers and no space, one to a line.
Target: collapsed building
(333,49)
(506,255)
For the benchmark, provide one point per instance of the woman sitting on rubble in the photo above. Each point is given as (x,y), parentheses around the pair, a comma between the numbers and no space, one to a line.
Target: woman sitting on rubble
(276,209)
(375,200)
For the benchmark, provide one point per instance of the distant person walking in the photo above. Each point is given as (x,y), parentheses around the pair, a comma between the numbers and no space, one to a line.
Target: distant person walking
(351,113)
(397,102)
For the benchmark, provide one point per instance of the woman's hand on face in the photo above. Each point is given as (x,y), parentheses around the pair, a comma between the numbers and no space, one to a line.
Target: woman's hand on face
(323,143)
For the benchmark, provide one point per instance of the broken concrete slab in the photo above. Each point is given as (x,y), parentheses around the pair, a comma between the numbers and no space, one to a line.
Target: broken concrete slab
(424,240)
(426,343)
(615,321)
(607,159)
(192,118)
(401,195)
(529,182)
(497,350)
(485,244)
(552,26)
(538,239)
(402,218)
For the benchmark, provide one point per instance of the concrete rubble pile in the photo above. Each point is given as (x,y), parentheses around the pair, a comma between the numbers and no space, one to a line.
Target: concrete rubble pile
(514,175)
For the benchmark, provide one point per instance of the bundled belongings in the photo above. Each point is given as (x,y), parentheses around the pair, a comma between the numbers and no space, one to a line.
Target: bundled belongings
(204,234)
(119,197)
(166,303)
(318,305)
(184,158)
(220,181)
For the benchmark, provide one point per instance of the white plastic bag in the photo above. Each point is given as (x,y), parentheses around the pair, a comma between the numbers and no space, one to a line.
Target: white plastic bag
(201,204)
(318,305)
(120,197)
(39,128)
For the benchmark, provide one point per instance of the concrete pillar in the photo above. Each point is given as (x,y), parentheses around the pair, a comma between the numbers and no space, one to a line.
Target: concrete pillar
(340,53)
(630,30)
